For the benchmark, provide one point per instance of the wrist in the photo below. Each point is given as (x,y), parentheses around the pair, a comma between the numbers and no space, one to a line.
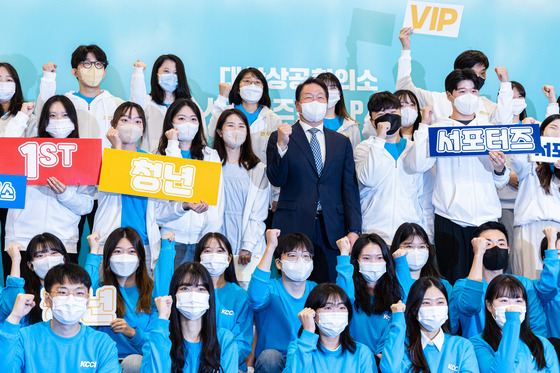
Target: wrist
(13,319)
(500,173)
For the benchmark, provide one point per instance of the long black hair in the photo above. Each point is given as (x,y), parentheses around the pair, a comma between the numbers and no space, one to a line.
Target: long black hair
(45,113)
(510,287)
(404,94)
(521,91)
(413,303)
(17,99)
(229,274)
(340,107)
(192,274)
(318,298)
(182,91)
(387,289)
(235,95)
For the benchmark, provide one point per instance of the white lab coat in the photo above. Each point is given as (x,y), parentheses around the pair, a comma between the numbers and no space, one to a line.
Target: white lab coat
(19,125)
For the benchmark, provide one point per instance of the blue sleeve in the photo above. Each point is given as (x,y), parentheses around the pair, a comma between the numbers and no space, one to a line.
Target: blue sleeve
(468,296)
(300,353)
(11,353)
(109,358)
(366,360)
(392,357)
(142,334)
(14,286)
(156,350)
(502,360)
(550,357)
(547,286)
(229,356)
(92,268)
(469,363)
(536,312)
(403,274)
(243,332)
(344,277)
(164,269)
(259,290)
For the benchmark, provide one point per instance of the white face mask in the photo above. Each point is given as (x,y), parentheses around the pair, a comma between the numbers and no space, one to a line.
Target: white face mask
(234,138)
(299,270)
(193,304)
(68,310)
(518,105)
(60,128)
(334,97)
(92,76)
(168,82)
(187,131)
(216,264)
(466,104)
(432,318)
(332,323)
(123,265)
(42,266)
(500,314)
(314,111)
(408,116)
(251,93)
(372,271)
(129,133)
(417,258)
(7,91)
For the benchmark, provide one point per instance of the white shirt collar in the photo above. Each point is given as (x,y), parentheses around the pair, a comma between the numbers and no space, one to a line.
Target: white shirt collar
(306,127)
(437,341)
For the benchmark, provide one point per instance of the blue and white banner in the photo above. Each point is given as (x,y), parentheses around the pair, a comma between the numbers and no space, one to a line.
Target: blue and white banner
(550,150)
(12,191)
(479,140)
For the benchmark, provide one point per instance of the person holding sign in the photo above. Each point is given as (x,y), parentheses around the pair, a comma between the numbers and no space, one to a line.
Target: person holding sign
(537,205)
(324,343)
(168,82)
(62,344)
(55,208)
(183,137)
(186,337)
(465,187)
(550,254)
(246,190)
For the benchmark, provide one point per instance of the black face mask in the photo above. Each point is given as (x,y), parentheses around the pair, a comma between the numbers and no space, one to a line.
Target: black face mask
(394,119)
(495,258)
(480,82)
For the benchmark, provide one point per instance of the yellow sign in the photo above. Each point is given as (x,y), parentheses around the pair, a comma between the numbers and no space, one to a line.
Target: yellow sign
(158,176)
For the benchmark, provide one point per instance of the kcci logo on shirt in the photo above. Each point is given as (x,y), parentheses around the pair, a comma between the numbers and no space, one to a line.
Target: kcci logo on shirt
(88,364)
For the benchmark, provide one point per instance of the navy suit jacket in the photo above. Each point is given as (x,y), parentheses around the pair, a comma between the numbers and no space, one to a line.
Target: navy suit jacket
(301,186)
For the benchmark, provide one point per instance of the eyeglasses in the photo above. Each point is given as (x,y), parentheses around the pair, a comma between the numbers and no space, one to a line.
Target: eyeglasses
(80,293)
(88,64)
(292,257)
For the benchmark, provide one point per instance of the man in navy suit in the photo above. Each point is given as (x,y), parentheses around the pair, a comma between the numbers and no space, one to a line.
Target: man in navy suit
(314,167)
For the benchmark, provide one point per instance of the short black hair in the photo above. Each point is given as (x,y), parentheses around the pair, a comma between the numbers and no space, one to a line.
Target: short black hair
(385,100)
(457,76)
(490,225)
(469,59)
(235,95)
(311,81)
(80,54)
(292,241)
(70,272)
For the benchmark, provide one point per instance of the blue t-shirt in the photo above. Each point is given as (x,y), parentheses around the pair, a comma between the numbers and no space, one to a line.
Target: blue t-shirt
(133,213)
(186,154)
(333,123)
(87,99)
(396,149)
(251,117)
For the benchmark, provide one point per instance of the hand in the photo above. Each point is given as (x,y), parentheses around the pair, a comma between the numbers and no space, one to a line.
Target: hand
(225,89)
(169,236)
(557,164)
(398,307)
(513,181)
(199,208)
(164,305)
(307,318)
(284,132)
(400,252)
(272,238)
(93,240)
(56,186)
(274,204)
(498,160)
(352,237)
(114,138)
(548,91)
(479,245)
(344,246)
(382,129)
(530,120)
(404,37)
(14,253)
(27,108)
(139,64)
(551,233)
(172,134)
(244,257)
(50,67)
(427,114)
(23,304)
(513,309)
(502,74)
(120,326)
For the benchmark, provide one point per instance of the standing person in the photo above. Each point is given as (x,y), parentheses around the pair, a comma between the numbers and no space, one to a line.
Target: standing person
(314,168)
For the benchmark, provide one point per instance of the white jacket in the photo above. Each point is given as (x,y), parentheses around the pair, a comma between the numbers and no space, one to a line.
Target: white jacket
(19,125)
(465,186)
(190,227)
(532,203)
(154,113)
(94,120)
(488,111)
(351,129)
(389,196)
(46,211)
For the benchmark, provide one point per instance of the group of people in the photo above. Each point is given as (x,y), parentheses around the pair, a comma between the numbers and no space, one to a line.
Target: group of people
(378,257)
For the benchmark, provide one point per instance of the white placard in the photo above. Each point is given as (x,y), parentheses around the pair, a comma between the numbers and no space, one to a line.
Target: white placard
(433,18)
(550,150)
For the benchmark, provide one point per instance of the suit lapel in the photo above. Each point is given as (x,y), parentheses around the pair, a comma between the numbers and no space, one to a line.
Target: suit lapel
(299,137)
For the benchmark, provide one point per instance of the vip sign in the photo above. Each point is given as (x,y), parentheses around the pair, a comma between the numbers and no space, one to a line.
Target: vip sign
(159,176)
(433,18)
(101,311)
